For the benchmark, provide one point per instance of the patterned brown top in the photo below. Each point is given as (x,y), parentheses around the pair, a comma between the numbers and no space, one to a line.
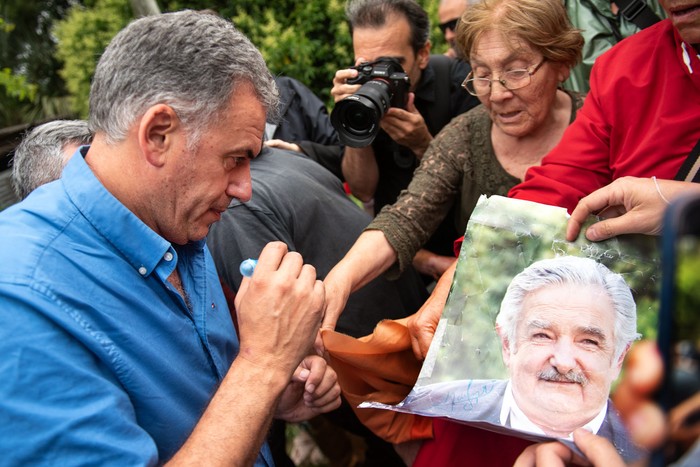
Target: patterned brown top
(458,167)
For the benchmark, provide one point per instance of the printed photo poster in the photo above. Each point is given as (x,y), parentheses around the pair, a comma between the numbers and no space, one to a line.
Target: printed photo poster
(534,332)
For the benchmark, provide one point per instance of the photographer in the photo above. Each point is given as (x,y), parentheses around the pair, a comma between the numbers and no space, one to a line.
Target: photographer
(399,29)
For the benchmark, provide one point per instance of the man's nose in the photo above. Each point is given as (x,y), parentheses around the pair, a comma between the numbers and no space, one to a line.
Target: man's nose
(564,356)
(239,184)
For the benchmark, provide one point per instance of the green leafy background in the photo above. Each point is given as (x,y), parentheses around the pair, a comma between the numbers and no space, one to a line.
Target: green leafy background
(49,48)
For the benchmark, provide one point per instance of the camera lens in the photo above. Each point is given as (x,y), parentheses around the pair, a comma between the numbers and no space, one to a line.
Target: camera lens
(356,118)
(359,119)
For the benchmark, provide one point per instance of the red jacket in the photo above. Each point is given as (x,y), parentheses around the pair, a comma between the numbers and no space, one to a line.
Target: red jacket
(641,118)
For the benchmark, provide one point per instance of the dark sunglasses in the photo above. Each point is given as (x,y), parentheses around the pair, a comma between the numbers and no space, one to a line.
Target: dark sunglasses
(452,24)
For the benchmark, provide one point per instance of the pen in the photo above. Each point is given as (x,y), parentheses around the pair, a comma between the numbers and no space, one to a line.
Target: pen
(248,266)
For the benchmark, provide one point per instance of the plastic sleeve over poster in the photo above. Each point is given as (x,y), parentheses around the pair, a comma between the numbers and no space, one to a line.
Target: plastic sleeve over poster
(535,330)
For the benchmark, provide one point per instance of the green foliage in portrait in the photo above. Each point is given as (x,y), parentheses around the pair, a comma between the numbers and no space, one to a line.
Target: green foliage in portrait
(688,290)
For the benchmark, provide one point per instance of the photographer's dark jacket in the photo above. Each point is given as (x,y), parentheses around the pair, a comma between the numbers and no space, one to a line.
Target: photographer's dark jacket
(305,121)
(304,115)
(396,163)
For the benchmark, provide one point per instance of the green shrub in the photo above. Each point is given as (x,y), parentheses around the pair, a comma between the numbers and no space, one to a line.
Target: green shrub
(82,37)
(307,40)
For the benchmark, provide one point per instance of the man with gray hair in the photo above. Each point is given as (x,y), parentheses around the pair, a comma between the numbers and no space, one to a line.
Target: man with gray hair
(565,326)
(118,346)
(40,156)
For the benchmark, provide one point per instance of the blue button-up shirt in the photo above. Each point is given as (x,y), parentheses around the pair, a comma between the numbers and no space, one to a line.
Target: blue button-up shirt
(101,360)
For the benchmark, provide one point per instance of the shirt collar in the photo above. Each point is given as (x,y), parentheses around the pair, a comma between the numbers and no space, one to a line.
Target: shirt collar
(137,242)
(688,55)
(512,416)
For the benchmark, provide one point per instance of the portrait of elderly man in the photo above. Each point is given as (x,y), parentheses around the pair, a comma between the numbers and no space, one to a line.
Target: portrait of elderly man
(565,325)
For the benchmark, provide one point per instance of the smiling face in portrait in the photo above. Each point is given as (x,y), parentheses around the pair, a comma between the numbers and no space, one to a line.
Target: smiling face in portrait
(204,180)
(526,110)
(562,362)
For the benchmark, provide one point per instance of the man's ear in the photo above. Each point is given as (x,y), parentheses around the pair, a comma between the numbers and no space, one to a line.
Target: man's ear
(157,130)
(616,367)
(621,358)
(505,345)
(423,56)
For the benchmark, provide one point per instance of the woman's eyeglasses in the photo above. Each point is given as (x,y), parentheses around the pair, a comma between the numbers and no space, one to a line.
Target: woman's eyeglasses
(511,80)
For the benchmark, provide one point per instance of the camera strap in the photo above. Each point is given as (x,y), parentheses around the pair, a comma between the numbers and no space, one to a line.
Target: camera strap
(637,12)
(690,170)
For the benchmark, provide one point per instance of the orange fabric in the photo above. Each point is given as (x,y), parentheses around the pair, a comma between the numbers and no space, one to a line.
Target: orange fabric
(380,367)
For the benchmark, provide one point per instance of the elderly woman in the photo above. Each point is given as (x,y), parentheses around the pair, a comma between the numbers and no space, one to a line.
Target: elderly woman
(520,52)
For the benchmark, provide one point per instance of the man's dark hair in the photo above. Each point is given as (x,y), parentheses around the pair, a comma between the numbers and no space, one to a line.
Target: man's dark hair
(374,13)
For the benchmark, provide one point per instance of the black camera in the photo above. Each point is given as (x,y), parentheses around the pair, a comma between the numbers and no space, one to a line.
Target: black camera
(384,85)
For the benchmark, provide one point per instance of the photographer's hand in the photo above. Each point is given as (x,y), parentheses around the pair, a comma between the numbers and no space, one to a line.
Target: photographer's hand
(407,127)
(341,89)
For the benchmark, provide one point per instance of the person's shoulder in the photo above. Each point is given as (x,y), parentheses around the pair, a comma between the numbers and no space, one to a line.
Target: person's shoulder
(467,121)
(615,430)
(289,164)
(289,82)
(458,69)
(638,64)
(289,178)
(638,47)
(289,85)
(46,209)
(577,97)
(32,232)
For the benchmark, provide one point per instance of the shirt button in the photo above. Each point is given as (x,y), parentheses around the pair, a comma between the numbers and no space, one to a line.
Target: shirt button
(168,256)
(143,271)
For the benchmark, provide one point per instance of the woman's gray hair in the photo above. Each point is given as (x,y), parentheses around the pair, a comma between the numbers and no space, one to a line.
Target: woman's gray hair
(40,157)
(191,61)
(577,271)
